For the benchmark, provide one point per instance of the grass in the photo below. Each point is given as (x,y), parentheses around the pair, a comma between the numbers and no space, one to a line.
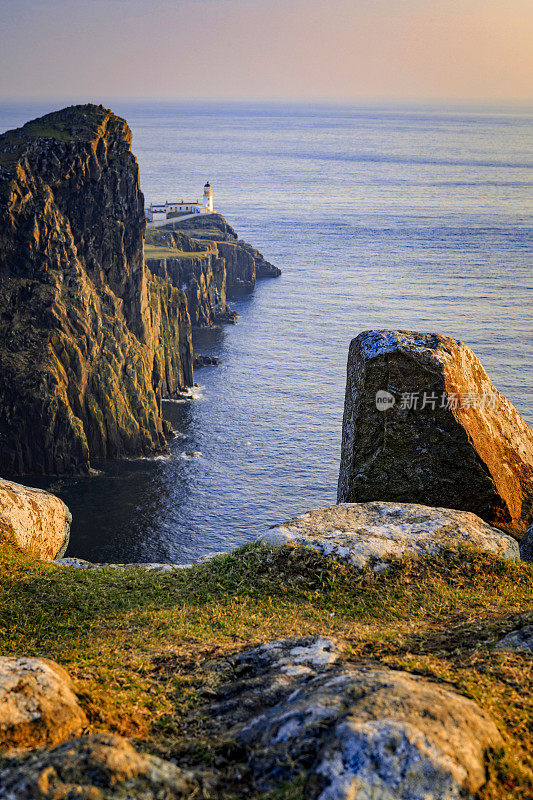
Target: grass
(78,123)
(137,644)
(158,251)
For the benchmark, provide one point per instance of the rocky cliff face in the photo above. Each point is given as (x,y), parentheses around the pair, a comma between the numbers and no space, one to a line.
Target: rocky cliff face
(89,341)
(442,436)
(197,269)
(210,262)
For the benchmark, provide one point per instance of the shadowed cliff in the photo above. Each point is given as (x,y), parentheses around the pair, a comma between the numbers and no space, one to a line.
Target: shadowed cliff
(89,341)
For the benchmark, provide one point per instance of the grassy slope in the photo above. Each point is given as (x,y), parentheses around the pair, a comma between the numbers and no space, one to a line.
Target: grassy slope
(157,251)
(138,644)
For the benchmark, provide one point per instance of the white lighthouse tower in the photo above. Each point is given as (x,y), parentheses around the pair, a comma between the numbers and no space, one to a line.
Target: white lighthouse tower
(208,198)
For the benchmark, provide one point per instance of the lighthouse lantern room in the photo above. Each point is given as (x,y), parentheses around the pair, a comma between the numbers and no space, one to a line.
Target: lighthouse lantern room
(208,198)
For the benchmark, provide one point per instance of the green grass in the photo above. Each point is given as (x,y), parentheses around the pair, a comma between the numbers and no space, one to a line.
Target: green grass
(73,124)
(158,251)
(136,643)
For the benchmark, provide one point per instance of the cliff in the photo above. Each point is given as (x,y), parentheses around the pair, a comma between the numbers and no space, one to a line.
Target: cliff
(88,339)
(205,258)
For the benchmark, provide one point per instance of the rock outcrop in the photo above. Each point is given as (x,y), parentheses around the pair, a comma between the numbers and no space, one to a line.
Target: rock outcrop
(376,533)
(37,704)
(519,641)
(424,424)
(89,343)
(354,731)
(98,767)
(33,520)
(210,261)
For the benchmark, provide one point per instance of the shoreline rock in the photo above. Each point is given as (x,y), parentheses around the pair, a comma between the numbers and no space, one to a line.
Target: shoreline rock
(206,361)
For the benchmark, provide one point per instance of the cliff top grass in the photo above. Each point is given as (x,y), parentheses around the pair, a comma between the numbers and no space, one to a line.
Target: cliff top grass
(139,645)
(75,123)
(158,251)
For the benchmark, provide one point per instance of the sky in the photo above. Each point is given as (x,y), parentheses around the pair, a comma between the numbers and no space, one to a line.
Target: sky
(338,50)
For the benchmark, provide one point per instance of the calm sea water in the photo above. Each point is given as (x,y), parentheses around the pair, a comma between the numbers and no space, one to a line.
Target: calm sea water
(411,218)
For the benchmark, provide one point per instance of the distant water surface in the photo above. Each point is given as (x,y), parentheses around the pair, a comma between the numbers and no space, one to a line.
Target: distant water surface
(416,218)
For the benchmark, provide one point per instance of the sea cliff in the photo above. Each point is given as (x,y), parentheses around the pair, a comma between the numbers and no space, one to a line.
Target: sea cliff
(92,334)
(204,257)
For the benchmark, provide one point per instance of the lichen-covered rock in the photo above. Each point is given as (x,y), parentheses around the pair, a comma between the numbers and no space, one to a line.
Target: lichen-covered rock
(81,563)
(99,767)
(375,533)
(88,344)
(442,435)
(37,704)
(33,520)
(356,732)
(519,641)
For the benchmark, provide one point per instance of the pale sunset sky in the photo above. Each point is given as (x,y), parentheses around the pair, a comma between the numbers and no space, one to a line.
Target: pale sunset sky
(267,49)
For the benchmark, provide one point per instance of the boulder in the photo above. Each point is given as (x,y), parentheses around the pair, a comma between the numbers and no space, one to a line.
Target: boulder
(33,520)
(376,533)
(37,704)
(99,767)
(424,424)
(357,732)
(519,641)
(526,545)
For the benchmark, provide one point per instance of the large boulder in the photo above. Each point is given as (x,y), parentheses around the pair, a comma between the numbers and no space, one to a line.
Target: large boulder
(99,767)
(357,732)
(424,424)
(33,520)
(376,532)
(37,704)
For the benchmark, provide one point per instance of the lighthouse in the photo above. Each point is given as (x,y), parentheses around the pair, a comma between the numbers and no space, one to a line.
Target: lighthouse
(208,198)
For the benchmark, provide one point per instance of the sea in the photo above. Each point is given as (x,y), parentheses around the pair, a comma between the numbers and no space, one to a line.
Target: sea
(380,216)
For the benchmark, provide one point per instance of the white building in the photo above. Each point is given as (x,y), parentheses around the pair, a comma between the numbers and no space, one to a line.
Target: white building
(163,211)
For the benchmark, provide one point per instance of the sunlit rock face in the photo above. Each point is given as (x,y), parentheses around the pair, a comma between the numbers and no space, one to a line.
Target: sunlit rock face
(87,339)
(37,704)
(97,767)
(36,522)
(424,424)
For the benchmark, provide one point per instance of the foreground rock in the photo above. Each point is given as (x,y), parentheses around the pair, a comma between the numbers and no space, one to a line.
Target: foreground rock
(376,533)
(356,732)
(519,641)
(89,341)
(442,436)
(37,704)
(33,520)
(100,767)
